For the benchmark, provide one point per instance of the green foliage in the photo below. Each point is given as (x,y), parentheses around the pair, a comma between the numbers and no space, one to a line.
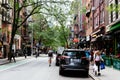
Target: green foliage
(114,7)
(17,5)
(44,9)
(76,7)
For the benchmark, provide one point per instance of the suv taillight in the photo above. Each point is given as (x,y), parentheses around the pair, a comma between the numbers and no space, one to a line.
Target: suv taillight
(63,57)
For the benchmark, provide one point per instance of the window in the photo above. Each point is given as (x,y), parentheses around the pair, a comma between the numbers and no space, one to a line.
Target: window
(74,54)
(4,1)
(96,22)
(102,16)
(101,1)
(116,8)
(118,43)
(96,3)
(111,13)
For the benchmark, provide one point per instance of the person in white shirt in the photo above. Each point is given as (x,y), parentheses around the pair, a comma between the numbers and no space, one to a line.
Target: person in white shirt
(97,60)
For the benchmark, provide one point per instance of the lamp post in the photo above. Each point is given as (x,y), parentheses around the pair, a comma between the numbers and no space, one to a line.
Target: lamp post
(31,35)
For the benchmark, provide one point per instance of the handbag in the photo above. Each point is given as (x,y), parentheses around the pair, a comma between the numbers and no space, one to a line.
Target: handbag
(102,65)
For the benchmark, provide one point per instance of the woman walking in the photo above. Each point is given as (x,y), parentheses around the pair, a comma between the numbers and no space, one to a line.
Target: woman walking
(97,60)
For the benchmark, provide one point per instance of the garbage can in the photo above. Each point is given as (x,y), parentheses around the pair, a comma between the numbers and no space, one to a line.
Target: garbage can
(116,64)
(108,61)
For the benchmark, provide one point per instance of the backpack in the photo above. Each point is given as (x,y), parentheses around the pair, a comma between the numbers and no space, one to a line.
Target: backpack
(50,54)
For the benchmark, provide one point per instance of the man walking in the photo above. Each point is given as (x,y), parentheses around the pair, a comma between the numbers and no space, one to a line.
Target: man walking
(12,56)
(50,55)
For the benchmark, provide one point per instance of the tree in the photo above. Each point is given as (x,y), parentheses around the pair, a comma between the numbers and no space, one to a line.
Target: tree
(38,6)
(60,14)
(39,25)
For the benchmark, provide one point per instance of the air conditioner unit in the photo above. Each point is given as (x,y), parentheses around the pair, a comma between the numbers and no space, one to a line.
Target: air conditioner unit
(93,8)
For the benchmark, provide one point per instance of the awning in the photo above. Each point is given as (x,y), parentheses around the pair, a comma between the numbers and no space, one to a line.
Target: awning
(115,26)
(95,32)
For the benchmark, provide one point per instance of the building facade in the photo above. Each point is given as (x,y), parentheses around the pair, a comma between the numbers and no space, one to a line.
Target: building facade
(113,29)
(95,18)
(89,22)
(5,26)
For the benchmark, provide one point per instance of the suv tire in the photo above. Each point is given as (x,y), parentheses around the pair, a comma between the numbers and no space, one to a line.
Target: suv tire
(61,71)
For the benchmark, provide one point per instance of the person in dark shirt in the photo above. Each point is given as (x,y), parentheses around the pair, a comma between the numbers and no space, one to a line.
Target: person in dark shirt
(50,55)
(12,56)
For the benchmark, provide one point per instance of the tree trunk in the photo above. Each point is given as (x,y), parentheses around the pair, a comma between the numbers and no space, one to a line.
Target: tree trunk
(14,27)
(11,43)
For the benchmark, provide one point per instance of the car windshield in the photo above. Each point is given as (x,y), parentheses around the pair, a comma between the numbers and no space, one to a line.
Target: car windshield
(74,54)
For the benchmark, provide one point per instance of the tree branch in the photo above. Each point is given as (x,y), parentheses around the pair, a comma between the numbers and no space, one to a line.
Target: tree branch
(40,2)
(31,13)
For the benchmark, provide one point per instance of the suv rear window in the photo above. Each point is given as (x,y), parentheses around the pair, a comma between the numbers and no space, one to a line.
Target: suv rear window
(74,54)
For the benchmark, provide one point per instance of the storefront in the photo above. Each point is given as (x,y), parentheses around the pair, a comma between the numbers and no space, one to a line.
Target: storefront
(113,43)
(94,36)
(115,32)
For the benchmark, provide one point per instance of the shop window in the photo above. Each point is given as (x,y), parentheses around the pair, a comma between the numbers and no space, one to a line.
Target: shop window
(118,44)
(116,8)
(102,16)
(111,13)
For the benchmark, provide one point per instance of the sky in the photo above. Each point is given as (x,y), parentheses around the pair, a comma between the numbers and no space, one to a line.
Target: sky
(54,23)
(51,20)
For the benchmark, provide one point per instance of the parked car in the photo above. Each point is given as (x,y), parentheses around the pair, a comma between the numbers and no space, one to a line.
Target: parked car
(74,60)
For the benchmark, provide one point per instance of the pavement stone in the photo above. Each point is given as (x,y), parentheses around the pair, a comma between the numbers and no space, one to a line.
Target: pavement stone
(109,73)
(6,61)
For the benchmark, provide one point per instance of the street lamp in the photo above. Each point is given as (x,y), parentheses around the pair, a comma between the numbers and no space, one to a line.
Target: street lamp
(31,35)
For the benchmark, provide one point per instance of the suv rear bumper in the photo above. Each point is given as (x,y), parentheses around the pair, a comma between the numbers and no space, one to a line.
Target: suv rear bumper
(74,68)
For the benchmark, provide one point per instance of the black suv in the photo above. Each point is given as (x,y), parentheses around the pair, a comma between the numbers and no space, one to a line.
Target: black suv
(74,59)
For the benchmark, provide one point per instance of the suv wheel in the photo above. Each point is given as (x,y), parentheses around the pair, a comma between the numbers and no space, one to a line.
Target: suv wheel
(87,73)
(57,64)
(61,71)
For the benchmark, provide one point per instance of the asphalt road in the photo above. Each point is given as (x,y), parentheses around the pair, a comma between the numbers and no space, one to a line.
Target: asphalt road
(35,69)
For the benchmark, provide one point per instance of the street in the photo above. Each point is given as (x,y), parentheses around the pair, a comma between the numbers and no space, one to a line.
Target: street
(34,69)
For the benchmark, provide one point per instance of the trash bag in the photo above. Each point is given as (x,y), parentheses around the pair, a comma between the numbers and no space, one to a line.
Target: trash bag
(102,65)
(95,67)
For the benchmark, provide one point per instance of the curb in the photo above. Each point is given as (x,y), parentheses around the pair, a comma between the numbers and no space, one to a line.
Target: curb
(93,76)
(5,63)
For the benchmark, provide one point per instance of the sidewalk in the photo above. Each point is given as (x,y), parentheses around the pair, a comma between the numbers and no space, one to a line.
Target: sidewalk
(108,73)
(6,61)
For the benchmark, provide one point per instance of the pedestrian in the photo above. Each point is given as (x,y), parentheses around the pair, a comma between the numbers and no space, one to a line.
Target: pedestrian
(87,52)
(50,55)
(25,52)
(12,56)
(103,53)
(91,58)
(97,60)
(36,52)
